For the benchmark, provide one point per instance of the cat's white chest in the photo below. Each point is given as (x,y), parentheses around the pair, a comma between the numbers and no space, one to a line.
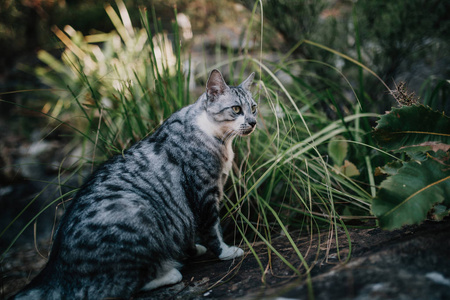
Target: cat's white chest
(229,157)
(215,130)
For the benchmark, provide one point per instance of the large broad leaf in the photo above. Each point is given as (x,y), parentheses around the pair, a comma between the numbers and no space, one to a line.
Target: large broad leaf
(413,128)
(408,196)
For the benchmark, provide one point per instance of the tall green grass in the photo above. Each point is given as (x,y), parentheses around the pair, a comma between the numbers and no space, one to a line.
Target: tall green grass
(284,178)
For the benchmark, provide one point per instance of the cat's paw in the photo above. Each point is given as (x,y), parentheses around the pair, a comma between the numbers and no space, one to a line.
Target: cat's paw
(170,277)
(230,252)
(200,250)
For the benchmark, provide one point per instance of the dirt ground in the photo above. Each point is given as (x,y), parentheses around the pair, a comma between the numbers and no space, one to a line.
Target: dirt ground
(412,263)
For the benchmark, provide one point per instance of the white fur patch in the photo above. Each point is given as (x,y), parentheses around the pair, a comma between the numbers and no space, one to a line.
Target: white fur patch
(438,278)
(170,277)
(230,157)
(215,130)
(200,249)
(228,252)
(209,127)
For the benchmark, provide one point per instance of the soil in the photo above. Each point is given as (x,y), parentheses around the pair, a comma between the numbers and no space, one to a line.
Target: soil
(412,263)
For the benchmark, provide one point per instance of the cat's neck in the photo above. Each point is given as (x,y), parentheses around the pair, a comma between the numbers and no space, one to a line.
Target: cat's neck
(213,130)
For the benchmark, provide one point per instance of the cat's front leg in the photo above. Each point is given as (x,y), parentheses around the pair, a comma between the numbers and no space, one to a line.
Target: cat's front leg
(218,246)
(210,231)
(195,250)
(230,252)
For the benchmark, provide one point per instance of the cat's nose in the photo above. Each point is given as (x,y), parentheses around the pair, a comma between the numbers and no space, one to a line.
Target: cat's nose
(252,123)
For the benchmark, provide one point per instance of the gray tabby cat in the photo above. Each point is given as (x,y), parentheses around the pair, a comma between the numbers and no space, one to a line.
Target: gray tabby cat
(141,213)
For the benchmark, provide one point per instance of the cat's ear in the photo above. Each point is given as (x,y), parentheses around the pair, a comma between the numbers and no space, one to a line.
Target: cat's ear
(247,83)
(216,84)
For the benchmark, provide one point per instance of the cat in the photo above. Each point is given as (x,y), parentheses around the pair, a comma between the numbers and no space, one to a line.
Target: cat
(139,215)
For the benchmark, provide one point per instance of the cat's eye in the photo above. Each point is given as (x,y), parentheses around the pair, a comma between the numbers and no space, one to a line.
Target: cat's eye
(253,109)
(237,109)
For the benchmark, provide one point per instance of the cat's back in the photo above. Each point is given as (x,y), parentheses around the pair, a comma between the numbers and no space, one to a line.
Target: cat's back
(145,163)
(146,187)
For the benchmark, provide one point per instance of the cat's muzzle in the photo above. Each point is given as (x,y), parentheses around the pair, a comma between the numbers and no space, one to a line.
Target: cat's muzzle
(247,130)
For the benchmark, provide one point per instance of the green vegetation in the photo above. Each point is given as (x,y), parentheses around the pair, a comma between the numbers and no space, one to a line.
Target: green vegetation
(123,89)
(420,184)
(311,164)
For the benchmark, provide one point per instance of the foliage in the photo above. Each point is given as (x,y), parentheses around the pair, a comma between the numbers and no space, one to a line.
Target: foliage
(284,15)
(435,92)
(130,84)
(400,29)
(406,39)
(416,186)
(399,130)
(338,151)
(24,24)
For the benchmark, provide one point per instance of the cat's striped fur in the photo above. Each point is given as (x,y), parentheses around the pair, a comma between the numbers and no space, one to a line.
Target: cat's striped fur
(140,214)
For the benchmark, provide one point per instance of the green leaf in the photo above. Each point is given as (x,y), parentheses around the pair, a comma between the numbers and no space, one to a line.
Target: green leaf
(408,196)
(349,169)
(337,149)
(389,169)
(413,126)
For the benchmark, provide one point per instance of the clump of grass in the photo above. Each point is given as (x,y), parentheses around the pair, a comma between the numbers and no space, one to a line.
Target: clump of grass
(122,89)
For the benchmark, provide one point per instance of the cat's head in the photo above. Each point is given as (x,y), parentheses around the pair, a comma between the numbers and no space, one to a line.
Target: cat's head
(231,110)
